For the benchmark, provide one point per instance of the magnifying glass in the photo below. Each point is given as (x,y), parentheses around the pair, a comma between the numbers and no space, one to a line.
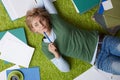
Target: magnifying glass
(15,75)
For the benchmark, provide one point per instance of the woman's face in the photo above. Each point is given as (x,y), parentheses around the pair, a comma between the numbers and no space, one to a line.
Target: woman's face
(40,25)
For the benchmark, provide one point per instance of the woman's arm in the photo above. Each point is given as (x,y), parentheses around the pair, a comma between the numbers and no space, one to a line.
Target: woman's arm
(48,4)
(61,64)
(58,61)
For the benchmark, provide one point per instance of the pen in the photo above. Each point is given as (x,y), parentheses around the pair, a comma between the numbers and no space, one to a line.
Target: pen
(47,37)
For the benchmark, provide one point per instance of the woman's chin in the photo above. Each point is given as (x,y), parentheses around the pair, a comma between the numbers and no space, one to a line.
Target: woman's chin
(45,30)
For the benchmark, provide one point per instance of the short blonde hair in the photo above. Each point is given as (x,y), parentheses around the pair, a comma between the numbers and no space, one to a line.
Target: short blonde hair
(36,12)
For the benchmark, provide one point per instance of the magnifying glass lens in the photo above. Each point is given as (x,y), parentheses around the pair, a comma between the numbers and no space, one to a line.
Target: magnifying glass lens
(14,78)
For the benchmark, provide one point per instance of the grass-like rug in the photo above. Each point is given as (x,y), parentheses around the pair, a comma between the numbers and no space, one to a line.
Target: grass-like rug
(47,70)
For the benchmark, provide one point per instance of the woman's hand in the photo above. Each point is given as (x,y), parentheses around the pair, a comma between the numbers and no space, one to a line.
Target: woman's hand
(52,48)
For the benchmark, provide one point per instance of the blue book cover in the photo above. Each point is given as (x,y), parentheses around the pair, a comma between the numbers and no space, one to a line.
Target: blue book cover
(101,9)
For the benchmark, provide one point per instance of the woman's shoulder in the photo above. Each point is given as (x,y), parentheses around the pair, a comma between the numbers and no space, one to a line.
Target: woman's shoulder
(57,18)
(53,16)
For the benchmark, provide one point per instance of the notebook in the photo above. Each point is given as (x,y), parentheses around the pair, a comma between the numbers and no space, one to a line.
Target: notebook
(112,16)
(83,6)
(18,32)
(101,9)
(15,51)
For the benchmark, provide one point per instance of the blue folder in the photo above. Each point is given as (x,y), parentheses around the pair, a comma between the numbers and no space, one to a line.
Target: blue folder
(28,73)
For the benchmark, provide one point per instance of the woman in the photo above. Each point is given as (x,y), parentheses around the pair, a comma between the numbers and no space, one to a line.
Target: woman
(63,38)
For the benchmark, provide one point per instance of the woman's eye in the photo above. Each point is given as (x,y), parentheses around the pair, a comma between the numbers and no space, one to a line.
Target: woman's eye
(36,25)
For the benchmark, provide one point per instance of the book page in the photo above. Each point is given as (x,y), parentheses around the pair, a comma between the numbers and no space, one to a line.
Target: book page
(15,51)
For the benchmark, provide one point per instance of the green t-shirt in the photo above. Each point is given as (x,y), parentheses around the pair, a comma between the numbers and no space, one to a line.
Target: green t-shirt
(71,41)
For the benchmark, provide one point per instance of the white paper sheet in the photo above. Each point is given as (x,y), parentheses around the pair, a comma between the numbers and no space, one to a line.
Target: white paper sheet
(109,76)
(91,74)
(107,5)
(3,75)
(15,51)
(18,8)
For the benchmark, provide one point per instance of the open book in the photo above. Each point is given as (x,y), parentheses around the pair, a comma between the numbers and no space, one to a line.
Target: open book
(18,8)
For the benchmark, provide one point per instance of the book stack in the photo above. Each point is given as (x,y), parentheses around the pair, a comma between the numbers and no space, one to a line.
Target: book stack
(108,15)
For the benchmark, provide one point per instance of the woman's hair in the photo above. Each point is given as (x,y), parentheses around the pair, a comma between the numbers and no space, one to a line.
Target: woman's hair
(36,12)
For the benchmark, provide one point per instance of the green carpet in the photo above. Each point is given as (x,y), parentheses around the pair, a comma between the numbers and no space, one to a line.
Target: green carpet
(47,70)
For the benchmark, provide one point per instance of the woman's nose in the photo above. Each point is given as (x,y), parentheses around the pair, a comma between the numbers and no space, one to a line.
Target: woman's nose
(35,30)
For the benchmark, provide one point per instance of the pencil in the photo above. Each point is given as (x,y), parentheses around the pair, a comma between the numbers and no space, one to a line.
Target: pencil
(47,37)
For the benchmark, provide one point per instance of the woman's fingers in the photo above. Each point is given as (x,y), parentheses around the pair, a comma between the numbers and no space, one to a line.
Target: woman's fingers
(52,46)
